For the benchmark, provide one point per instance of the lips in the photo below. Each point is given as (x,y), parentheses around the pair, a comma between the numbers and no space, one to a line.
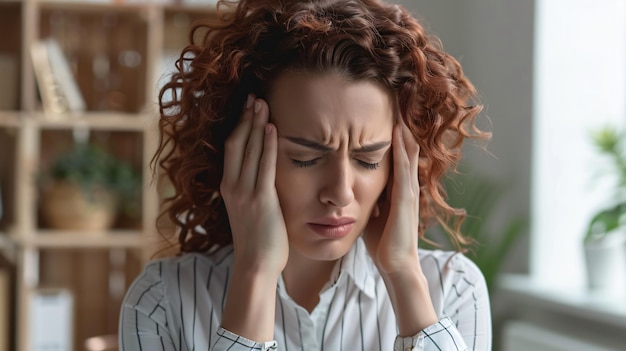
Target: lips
(333,228)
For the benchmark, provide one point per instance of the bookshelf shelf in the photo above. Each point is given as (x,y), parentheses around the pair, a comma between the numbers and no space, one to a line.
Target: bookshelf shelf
(97,7)
(10,119)
(55,239)
(96,120)
(93,120)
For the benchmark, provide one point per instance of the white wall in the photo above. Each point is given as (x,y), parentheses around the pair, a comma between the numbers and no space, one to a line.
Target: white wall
(493,40)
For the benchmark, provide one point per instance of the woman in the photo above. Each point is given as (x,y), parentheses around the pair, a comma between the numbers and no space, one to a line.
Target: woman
(295,140)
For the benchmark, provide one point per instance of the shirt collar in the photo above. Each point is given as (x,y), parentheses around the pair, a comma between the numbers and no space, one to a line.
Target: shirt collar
(357,266)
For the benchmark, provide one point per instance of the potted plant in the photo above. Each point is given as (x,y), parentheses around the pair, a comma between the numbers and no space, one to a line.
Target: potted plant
(83,187)
(605,239)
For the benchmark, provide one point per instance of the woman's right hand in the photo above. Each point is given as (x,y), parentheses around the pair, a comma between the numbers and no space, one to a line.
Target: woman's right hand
(249,193)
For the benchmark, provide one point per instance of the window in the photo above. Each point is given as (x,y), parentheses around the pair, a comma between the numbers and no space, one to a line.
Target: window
(580,85)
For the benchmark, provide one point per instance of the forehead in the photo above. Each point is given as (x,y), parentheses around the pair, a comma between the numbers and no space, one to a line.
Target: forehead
(329,102)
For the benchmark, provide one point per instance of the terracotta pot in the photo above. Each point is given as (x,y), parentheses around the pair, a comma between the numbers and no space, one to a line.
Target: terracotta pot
(67,206)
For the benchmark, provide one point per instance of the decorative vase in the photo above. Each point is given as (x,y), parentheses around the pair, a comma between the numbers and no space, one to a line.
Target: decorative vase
(67,206)
(606,263)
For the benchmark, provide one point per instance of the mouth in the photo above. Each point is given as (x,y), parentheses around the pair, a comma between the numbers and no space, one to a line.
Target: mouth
(333,228)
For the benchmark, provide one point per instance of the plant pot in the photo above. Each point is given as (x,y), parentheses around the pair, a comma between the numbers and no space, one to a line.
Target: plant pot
(66,206)
(606,263)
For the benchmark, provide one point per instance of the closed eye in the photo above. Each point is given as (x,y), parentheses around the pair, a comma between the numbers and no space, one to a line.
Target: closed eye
(305,164)
(313,162)
(367,165)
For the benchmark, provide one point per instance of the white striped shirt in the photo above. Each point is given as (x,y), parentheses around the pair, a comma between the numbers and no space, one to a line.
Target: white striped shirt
(177,303)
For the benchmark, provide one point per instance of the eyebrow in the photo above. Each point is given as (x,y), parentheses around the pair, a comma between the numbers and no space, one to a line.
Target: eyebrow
(319,147)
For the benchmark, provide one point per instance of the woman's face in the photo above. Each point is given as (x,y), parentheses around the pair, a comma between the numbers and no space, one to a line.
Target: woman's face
(334,158)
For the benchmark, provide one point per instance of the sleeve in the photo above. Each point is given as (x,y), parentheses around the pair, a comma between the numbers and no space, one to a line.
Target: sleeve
(442,335)
(143,322)
(461,298)
(233,342)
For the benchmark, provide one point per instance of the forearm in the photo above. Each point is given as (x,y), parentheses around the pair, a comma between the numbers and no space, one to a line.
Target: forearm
(410,297)
(250,305)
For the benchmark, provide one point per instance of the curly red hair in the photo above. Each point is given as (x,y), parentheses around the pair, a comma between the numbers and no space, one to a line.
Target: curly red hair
(252,43)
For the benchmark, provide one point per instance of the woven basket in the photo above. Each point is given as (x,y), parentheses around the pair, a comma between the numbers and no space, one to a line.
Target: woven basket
(67,206)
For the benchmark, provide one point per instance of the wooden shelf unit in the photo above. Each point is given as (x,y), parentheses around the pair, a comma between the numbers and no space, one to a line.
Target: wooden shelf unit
(118,53)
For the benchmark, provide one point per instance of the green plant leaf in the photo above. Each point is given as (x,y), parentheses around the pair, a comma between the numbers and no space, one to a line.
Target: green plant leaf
(610,141)
(492,257)
(605,221)
(89,166)
(479,198)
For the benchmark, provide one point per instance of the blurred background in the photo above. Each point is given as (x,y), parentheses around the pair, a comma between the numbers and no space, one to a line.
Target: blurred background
(545,198)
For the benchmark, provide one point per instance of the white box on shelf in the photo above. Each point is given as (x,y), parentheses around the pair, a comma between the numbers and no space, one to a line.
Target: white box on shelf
(51,320)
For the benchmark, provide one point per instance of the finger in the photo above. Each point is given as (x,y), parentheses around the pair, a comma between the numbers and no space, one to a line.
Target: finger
(267,166)
(412,150)
(254,147)
(236,143)
(401,167)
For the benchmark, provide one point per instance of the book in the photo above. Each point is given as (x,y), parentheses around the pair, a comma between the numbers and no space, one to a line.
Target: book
(57,85)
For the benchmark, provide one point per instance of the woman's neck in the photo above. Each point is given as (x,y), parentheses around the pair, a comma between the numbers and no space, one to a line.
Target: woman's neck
(304,279)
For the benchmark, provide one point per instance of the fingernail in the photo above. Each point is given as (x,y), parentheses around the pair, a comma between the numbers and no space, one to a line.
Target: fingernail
(268,129)
(249,101)
(257,107)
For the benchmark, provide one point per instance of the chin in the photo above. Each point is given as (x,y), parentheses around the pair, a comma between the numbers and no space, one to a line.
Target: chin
(323,251)
(316,248)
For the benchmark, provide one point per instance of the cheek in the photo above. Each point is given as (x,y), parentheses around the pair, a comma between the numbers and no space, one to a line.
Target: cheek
(375,183)
(385,170)
(370,188)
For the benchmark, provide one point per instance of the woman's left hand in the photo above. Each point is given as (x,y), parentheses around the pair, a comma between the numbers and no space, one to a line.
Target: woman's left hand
(391,238)
(391,235)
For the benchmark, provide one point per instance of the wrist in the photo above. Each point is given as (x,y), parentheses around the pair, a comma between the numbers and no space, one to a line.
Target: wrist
(398,267)
(410,297)
(250,303)
(256,267)
(411,274)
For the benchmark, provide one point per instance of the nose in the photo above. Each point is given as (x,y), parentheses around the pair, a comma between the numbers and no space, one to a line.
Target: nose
(338,184)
